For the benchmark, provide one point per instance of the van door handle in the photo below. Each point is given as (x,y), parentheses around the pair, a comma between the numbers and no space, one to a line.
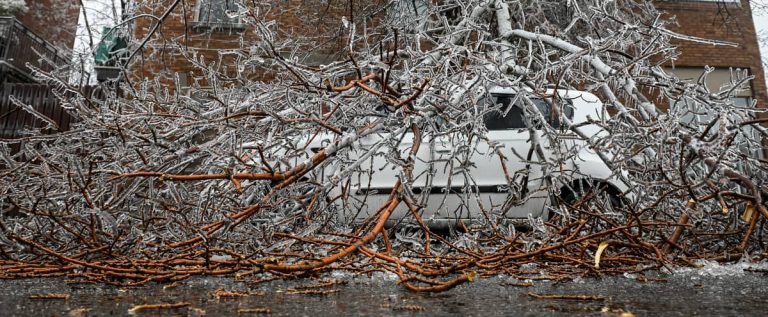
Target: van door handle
(443,151)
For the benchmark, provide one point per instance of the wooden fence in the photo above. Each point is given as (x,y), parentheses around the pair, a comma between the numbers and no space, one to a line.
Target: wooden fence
(39,101)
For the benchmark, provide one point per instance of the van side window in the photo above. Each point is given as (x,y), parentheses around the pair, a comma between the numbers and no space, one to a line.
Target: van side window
(504,115)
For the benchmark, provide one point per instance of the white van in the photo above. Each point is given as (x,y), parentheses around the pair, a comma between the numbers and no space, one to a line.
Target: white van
(458,178)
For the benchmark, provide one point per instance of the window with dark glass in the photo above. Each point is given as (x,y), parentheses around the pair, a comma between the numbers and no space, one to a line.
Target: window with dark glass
(505,115)
(218,12)
(409,15)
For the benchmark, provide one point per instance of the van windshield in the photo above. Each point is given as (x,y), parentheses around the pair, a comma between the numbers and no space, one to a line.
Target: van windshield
(505,115)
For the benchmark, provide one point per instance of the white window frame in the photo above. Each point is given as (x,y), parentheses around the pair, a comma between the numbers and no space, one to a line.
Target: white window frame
(226,24)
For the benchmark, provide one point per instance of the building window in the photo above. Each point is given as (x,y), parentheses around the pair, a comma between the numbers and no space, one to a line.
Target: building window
(218,15)
(408,15)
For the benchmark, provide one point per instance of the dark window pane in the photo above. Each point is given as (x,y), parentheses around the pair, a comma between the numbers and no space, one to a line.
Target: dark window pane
(546,111)
(505,116)
(408,14)
(217,11)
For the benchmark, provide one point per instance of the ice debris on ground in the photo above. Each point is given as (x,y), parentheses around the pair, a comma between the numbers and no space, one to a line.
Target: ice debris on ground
(714,268)
(374,277)
(383,277)
(221,257)
(341,275)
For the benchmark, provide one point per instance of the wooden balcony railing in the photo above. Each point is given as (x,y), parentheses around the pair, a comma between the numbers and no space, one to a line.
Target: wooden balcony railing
(19,46)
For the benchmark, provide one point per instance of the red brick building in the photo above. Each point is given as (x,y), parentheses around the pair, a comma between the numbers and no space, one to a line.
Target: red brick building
(53,20)
(721,20)
(205,30)
(209,32)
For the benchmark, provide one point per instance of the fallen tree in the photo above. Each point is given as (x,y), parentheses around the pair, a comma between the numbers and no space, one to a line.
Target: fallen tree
(268,178)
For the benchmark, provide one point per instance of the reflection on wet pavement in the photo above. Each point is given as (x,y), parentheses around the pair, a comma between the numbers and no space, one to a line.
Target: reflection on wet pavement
(682,294)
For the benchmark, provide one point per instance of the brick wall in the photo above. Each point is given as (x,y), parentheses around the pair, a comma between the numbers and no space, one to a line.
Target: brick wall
(316,23)
(722,21)
(320,21)
(54,20)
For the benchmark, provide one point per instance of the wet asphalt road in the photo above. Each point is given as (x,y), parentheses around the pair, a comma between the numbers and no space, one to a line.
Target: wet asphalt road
(687,294)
